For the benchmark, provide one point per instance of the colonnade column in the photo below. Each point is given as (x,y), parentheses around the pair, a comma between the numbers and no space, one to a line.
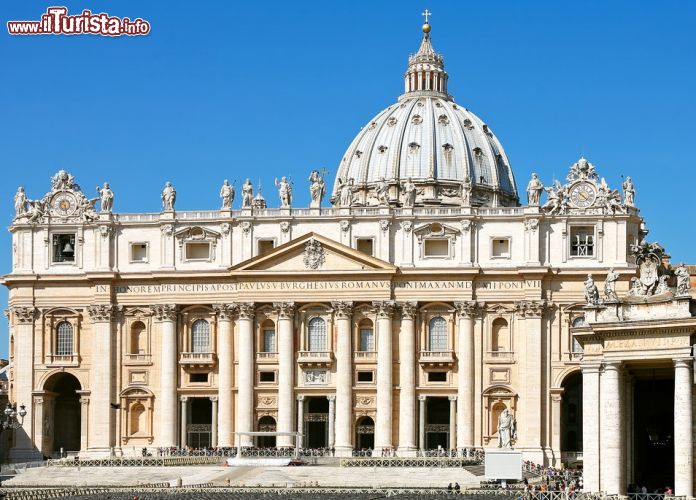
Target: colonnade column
(453,421)
(590,426)
(466,311)
(23,332)
(166,314)
(611,433)
(214,422)
(407,379)
(383,426)
(183,421)
(332,416)
(225,346)
(683,431)
(344,379)
(286,364)
(300,419)
(245,373)
(421,423)
(101,416)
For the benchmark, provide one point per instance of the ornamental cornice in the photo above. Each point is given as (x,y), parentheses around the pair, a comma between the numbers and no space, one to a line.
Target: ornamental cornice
(531,308)
(24,314)
(384,308)
(343,309)
(100,313)
(468,308)
(408,309)
(225,312)
(284,310)
(164,312)
(246,310)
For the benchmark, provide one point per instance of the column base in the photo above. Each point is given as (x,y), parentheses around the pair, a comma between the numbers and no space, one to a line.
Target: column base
(407,451)
(343,451)
(98,452)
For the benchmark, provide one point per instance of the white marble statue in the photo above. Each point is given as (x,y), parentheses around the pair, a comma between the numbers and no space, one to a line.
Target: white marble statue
(629,192)
(317,188)
(382,192)
(507,429)
(534,189)
(345,192)
(106,197)
(610,286)
(683,280)
(247,194)
(466,191)
(556,199)
(591,292)
(36,210)
(409,191)
(168,197)
(20,202)
(284,192)
(227,195)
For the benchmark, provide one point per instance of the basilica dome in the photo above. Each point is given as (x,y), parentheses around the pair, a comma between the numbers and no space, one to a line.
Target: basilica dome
(428,138)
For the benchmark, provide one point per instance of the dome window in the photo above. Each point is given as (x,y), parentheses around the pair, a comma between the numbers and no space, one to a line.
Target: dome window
(373,124)
(468,125)
(478,152)
(417,119)
(392,121)
(443,120)
(382,149)
(447,147)
(358,153)
(413,148)
(487,131)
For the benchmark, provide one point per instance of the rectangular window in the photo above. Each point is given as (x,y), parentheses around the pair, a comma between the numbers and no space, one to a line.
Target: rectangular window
(266,376)
(265,246)
(199,378)
(582,241)
(366,376)
(437,376)
(269,344)
(500,248)
(138,252)
(438,248)
(63,248)
(197,251)
(367,339)
(365,245)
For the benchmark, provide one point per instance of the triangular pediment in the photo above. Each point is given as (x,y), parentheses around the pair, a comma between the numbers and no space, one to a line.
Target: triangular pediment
(314,253)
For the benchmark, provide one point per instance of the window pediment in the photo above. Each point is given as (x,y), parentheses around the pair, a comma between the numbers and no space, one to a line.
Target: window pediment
(196,234)
(434,230)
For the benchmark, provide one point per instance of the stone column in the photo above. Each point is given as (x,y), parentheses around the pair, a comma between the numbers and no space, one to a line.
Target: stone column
(556,400)
(300,419)
(421,423)
(611,431)
(466,312)
(245,373)
(407,380)
(214,424)
(225,347)
(590,426)
(332,416)
(383,426)
(683,433)
(183,420)
(453,422)
(84,418)
(344,378)
(23,331)
(286,364)
(101,416)
(166,314)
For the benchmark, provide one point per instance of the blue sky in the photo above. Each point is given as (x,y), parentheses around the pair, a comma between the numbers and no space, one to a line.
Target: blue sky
(233,89)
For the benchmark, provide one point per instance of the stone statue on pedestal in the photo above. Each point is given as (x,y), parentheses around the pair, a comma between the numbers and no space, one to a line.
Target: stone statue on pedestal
(382,192)
(345,193)
(316,188)
(247,194)
(507,429)
(466,191)
(106,197)
(168,197)
(20,202)
(610,286)
(227,195)
(534,189)
(591,292)
(629,192)
(409,191)
(284,192)
(683,280)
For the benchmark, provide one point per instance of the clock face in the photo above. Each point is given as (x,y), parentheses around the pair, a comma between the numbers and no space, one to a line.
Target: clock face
(583,195)
(63,204)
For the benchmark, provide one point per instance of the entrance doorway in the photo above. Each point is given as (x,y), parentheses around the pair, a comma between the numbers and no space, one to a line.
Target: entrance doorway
(571,420)
(653,433)
(266,424)
(316,420)
(437,417)
(62,417)
(365,433)
(200,423)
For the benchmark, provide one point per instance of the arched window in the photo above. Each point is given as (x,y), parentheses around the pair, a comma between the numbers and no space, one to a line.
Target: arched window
(138,340)
(317,334)
(500,335)
(495,415)
(137,418)
(437,334)
(200,336)
(367,336)
(575,346)
(579,321)
(268,336)
(64,339)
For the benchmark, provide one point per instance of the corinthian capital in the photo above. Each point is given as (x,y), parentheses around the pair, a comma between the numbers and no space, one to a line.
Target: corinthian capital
(408,309)
(24,314)
(164,312)
(225,312)
(246,310)
(100,313)
(284,310)
(467,308)
(384,308)
(342,308)
(531,308)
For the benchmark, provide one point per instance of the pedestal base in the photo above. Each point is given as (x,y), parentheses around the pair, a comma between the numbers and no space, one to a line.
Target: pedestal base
(259,461)
(343,451)
(406,452)
(503,463)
